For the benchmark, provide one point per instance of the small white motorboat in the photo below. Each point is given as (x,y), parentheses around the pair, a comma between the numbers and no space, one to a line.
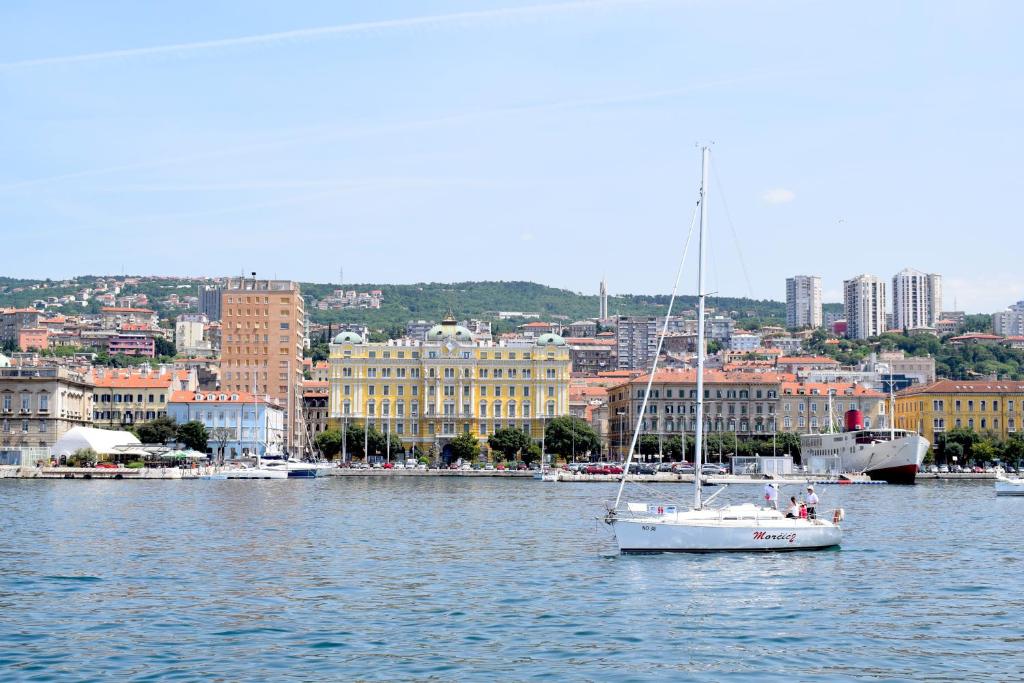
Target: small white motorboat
(1009,487)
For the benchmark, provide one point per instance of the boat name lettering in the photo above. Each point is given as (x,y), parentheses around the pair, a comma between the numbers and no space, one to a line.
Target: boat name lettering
(649,527)
(765,536)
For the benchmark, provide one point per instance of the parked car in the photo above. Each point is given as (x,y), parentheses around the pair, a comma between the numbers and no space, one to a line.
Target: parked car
(943,469)
(685,468)
(713,468)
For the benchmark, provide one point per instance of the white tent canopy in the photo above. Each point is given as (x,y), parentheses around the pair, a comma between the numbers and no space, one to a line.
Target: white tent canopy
(103,441)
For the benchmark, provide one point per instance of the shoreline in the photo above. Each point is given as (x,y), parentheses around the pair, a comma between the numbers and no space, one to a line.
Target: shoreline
(173,473)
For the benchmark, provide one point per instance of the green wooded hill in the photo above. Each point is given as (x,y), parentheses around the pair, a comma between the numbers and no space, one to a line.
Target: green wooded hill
(429,301)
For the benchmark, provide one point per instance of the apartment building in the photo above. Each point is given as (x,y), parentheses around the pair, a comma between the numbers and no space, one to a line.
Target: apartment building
(984,406)
(126,396)
(1009,323)
(239,424)
(803,301)
(742,402)
(39,404)
(916,300)
(425,393)
(262,338)
(865,303)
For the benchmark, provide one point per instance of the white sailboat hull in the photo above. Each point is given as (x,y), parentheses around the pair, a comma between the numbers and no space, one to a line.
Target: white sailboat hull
(1009,487)
(743,528)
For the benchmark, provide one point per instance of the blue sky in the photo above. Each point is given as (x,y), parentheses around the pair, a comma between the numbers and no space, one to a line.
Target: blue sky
(554,142)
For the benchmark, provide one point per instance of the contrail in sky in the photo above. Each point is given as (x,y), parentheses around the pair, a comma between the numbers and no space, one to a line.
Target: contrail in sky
(325,136)
(325,31)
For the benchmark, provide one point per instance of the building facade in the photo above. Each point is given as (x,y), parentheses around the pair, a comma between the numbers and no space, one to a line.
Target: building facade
(1009,323)
(426,393)
(239,425)
(745,403)
(591,356)
(916,299)
(803,301)
(995,407)
(865,303)
(123,397)
(39,404)
(262,340)
(210,302)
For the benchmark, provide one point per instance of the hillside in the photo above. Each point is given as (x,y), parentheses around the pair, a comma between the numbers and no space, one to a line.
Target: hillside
(484,299)
(427,301)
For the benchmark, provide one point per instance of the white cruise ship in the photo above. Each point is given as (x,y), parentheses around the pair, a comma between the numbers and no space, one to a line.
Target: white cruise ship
(891,455)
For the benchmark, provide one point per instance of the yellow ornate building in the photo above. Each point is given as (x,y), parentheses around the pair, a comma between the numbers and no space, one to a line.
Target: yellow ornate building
(427,392)
(985,406)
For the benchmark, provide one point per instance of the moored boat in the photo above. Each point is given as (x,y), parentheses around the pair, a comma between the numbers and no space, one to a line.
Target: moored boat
(1009,487)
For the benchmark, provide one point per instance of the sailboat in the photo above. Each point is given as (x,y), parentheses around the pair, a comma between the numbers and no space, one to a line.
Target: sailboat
(261,470)
(642,527)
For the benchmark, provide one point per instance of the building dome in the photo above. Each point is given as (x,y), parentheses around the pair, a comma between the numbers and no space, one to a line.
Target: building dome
(442,332)
(550,339)
(348,338)
(449,329)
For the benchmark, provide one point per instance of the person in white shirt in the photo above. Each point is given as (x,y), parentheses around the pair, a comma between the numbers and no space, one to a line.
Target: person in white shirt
(793,511)
(771,496)
(811,501)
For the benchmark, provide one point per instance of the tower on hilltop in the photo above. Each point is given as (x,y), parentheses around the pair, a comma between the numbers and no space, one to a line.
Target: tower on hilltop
(603,294)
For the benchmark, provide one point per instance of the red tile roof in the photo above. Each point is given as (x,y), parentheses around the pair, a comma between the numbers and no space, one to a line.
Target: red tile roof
(120,309)
(957,386)
(809,360)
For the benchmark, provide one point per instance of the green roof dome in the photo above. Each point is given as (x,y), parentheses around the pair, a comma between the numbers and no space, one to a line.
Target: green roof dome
(348,338)
(442,332)
(550,339)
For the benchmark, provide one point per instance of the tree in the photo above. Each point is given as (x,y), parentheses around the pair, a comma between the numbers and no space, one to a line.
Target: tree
(161,430)
(465,447)
(165,347)
(569,436)
(1013,449)
(984,451)
(648,444)
(508,441)
(531,453)
(354,434)
(329,442)
(193,434)
(220,436)
(83,457)
(953,452)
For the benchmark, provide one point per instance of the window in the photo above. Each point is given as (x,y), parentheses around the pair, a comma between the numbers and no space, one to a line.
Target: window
(26,401)
(44,403)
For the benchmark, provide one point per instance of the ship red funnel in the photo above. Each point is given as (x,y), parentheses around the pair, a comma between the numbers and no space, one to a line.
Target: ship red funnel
(854,420)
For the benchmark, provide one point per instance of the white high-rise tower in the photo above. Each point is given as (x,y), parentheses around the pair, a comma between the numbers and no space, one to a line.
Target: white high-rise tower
(916,299)
(803,301)
(864,300)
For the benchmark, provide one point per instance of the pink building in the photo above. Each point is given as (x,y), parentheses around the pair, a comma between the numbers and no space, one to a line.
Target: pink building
(132,345)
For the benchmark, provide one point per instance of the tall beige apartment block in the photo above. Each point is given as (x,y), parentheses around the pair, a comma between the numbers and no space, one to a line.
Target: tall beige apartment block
(263,328)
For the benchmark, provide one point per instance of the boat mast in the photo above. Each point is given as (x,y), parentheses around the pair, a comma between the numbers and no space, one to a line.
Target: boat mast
(699,433)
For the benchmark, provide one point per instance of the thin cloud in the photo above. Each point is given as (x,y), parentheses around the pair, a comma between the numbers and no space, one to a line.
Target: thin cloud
(779,196)
(361,27)
(321,136)
(526,236)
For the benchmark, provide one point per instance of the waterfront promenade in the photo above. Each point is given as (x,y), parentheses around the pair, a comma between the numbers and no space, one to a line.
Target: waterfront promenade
(152,473)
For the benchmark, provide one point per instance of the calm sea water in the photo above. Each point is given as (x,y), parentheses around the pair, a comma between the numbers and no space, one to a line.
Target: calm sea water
(475,579)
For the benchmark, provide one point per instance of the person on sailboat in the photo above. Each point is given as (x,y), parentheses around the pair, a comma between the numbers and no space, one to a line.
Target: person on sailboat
(771,496)
(793,511)
(811,501)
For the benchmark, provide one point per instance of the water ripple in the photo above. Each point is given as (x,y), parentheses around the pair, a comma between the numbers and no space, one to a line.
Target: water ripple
(464,579)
